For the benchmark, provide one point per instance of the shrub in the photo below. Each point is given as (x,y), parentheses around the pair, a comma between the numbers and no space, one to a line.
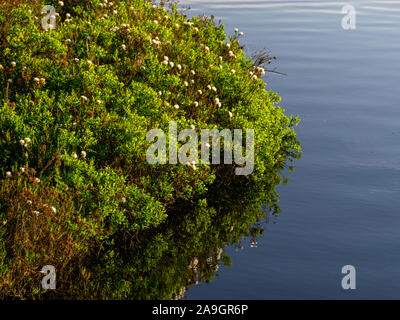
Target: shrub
(75,107)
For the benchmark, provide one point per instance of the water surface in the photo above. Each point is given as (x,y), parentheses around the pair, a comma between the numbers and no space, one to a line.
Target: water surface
(342,204)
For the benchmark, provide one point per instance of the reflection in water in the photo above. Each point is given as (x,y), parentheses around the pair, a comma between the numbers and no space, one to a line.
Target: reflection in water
(187,249)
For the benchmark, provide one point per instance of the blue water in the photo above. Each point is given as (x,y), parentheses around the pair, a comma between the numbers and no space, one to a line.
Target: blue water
(342,204)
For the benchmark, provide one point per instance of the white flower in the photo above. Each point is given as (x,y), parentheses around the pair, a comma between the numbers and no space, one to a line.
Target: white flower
(230,114)
(22,169)
(123,199)
(9,80)
(166,58)
(196,29)
(84,98)
(36,212)
(75,156)
(83,154)
(192,127)
(171,64)
(98,102)
(29,202)
(219,105)
(192,165)
(179,67)
(165,62)
(176,25)
(192,72)
(220,58)
(186,83)
(228,45)
(200,92)
(176,106)
(231,54)
(115,11)
(208,145)
(241,33)
(208,87)
(221,67)
(37,180)
(159,93)
(192,81)
(155,21)
(76,59)
(42,80)
(8,174)
(207,48)
(22,142)
(27,140)
(236,30)
(216,100)
(13,64)
(166,18)
(233,71)
(68,15)
(123,47)
(54,209)
(196,104)
(68,41)
(214,89)
(255,77)
(89,63)
(61,3)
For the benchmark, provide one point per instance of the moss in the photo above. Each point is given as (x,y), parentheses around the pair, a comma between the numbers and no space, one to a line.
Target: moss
(82,98)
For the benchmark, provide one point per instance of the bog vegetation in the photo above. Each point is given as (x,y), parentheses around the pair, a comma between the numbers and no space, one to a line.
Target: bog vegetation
(76,104)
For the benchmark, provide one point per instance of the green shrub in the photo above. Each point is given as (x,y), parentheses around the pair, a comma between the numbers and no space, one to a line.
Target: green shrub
(75,106)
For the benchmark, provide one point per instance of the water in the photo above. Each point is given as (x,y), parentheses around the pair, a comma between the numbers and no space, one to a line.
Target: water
(342,204)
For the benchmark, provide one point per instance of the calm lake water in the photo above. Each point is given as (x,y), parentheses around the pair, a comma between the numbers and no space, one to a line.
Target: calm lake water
(342,204)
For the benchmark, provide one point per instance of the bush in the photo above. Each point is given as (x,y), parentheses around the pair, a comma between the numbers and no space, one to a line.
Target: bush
(75,108)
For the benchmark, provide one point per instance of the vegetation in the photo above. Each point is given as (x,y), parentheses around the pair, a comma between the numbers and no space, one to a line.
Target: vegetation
(76,104)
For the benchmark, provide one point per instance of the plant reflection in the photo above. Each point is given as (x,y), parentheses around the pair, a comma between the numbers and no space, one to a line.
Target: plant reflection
(188,248)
